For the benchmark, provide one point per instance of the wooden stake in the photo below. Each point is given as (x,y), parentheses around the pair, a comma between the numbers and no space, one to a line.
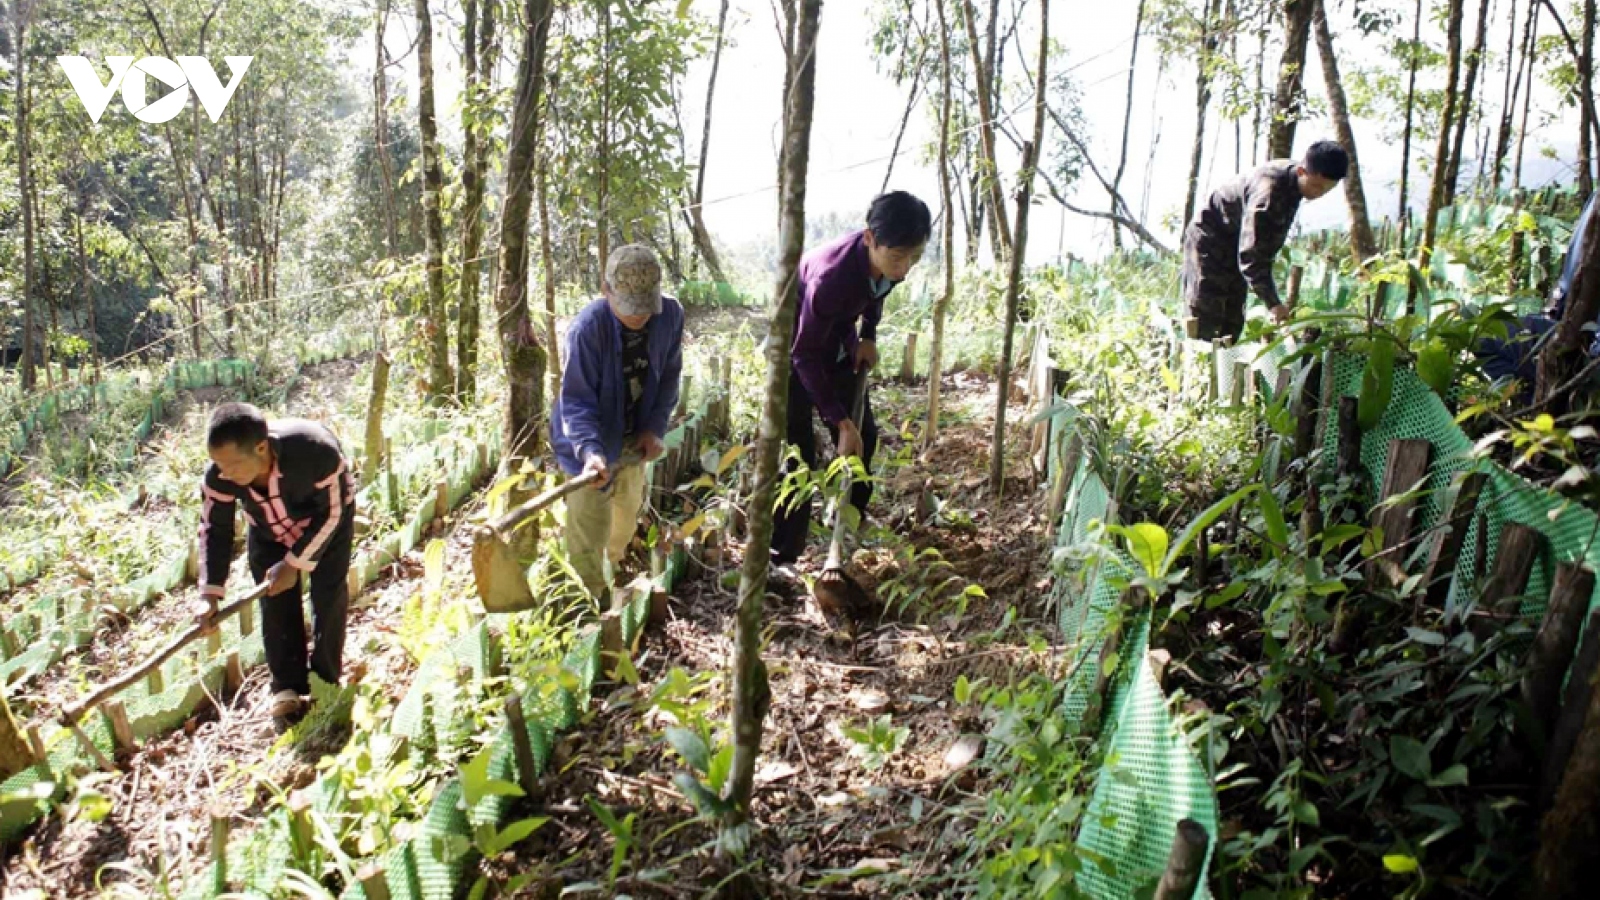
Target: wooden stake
(521,746)
(1446,551)
(373,882)
(1520,547)
(8,643)
(1296,274)
(441,500)
(221,824)
(1349,462)
(121,730)
(1311,523)
(300,832)
(1132,601)
(1551,653)
(908,362)
(232,675)
(247,620)
(156,682)
(1574,707)
(1407,468)
(36,744)
(1569,830)
(90,748)
(1187,857)
(1308,406)
(1241,380)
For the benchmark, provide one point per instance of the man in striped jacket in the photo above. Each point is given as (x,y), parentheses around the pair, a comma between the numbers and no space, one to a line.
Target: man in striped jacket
(292,482)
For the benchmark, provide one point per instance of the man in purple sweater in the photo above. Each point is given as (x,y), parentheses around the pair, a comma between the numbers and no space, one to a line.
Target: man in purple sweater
(841,283)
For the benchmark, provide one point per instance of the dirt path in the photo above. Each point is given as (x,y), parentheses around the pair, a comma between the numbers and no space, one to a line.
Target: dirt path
(820,807)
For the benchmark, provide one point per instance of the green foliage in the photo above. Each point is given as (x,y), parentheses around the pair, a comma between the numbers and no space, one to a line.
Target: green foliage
(877,742)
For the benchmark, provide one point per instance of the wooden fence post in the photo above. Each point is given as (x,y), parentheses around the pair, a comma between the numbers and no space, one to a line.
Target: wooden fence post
(1407,467)
(1520,547)
(1446,550)
(121,730)
(1552,650)
(1185,860)
(521,746)
(908,361)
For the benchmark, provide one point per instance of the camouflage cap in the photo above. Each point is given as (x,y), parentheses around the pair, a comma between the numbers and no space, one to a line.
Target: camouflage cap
(634,274)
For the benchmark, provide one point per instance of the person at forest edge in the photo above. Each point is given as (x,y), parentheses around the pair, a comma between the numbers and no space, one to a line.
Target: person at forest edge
(1229,246)
(619,387)
(294,485)
(841,283)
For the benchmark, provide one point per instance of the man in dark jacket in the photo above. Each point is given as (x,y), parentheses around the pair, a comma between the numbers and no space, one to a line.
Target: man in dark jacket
(293,484)
(1229,247)
(840,284)
(619,386)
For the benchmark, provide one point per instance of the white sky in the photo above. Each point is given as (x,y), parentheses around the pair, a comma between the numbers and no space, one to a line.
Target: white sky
(858,112)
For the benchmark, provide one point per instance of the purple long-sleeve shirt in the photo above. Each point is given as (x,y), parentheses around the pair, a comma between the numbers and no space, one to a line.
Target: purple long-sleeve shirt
(835,290)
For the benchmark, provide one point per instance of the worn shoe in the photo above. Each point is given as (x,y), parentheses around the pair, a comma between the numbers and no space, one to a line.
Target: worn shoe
(285,704)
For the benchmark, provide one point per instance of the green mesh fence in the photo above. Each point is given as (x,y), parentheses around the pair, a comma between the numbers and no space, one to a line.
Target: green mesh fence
(1151,779)
(1416,412)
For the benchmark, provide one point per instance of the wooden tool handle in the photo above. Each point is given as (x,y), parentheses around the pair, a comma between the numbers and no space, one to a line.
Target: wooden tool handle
(840,527)
(512,518)
(72,714)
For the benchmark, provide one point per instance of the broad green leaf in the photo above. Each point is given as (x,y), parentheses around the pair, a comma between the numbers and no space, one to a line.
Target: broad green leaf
(1204,521)
(1277,531)
(1226,595)
(1377,383)
(512,835)
(1410,756)
(1424,636)
(1305,812)
(1436,366)
(1399,863)
(500,488)
(693,525)
(476,783)
(1147,542)
(721,767)
(1455,776)
(732,456)
(692,747)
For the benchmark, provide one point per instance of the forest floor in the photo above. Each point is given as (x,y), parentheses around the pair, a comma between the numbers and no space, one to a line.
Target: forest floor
(828,822)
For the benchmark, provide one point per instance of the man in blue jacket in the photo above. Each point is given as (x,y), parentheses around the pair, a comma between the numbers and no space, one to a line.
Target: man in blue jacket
(619,386)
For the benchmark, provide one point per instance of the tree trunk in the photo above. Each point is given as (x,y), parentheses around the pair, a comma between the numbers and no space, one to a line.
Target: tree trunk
(1202,101)
(697,222)
(1586,117)
(380,116)
(752,694)
(905,119)
(1362,243)
(1404,214)
(88,293)
(1255,100)
(1564,354)
(1513,90)
(520,349)
(29,375)
(1030,164)
(988,167)
(1286,101)
(1531,56)
(942,306)
(547,259)
(602,224)
(1441,156)
(479,66)
(1127,120)
(1453,170)
(436,318)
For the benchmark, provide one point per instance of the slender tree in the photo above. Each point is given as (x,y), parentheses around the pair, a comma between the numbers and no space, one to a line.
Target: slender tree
(941,306)
(696,220)
(380,123)
(752,695)
(1287,99)
(1441,157)
(1474,61)
(1203,65)
(1413,54)
(478,63)
(435,317)
(1527,94)
(1513,90)
(1362,244)
(1031,152)
(22,19)
(988,167)
(520,350)
(1127,121)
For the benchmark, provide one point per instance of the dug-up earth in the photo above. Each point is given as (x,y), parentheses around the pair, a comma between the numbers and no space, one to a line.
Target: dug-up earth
(828,824)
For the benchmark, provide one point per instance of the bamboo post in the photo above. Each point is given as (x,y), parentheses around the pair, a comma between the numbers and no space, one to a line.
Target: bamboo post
(1241,378)
(221,824)
(1186,858)
(121,730)
(441,500)
(390,482)
(8,643)
(1349,461)
(522,747)
(1308,405)
(1211,386)
(373,882)
(1446,552)
(1552,650)
(683,396)
(1296,274)
(247,620)
(232,674)
(908,362)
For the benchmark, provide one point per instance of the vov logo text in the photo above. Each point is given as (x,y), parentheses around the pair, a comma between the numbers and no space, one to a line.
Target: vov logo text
(183,75)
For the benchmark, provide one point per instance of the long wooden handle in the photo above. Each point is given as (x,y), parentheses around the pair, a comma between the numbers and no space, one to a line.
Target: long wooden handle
(73,713)
(840,526)
(512,518)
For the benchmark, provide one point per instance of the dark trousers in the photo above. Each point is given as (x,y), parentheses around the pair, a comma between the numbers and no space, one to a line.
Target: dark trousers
(791,527)
(283,622)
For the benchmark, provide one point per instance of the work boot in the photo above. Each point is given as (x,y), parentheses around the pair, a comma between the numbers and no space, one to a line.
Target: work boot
(286,705)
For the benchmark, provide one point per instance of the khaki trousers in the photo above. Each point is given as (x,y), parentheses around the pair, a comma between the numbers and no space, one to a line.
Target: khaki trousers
(601,523)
